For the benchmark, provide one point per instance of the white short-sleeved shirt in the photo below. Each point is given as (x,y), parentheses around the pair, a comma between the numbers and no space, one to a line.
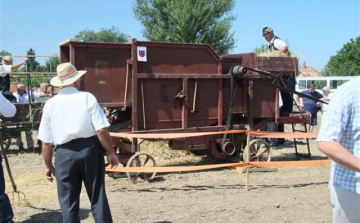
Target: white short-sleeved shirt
(70,115)
(277,43)
(325,106)
(4,68)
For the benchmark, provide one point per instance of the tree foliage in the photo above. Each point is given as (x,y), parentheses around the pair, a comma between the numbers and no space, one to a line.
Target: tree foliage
(262,49)
(51,64)
(111,35)
(346,62)
(188,21)
(32,63)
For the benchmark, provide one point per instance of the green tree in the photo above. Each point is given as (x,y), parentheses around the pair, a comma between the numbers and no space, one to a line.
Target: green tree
(32,63)
(346,62)
(51,64)
(188,21)
(111,35)
(262,49)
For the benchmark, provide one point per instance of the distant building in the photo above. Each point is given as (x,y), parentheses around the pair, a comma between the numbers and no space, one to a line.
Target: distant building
(307,71)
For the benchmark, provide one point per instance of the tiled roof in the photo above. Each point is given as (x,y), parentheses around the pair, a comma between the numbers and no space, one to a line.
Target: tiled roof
(308,71)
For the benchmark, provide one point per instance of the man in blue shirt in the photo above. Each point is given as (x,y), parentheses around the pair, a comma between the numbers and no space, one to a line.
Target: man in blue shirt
(310,106)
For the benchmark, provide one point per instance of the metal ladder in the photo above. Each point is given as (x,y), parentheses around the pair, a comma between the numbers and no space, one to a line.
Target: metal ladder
(305,120)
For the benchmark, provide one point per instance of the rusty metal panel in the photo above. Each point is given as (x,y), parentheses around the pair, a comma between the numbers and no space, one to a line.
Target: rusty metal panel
(157,103)
(178,58)
(239,106)
(264,100)
(160,108)
(278,64)
(106,77)
(106,66)
(206,104)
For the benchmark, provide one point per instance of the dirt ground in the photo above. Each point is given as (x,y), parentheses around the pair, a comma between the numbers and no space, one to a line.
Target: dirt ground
(286,195)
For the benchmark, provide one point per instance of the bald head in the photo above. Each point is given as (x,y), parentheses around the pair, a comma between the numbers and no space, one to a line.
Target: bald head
(20,86)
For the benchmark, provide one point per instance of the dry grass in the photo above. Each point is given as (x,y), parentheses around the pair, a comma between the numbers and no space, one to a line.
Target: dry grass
(30,180)
(164,156)
(273,54)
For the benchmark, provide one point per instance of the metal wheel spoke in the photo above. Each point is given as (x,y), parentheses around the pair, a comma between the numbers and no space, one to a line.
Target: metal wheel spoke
(138,161)
(261,152)
(146,160)
(145,177)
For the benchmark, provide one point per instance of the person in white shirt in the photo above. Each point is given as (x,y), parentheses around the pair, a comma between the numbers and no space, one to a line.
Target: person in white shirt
(74,122)
(275,43)
(22,96)
(5,67)
(44,93)
(327,96)
(6,213)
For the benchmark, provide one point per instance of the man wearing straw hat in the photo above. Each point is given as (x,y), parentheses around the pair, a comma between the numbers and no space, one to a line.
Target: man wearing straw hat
(6,213)
(7,66)
(74,122)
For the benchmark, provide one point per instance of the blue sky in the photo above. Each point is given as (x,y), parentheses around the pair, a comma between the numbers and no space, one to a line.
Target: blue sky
(314,29)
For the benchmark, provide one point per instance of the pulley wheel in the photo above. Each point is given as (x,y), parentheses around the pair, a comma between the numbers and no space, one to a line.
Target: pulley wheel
(228,148)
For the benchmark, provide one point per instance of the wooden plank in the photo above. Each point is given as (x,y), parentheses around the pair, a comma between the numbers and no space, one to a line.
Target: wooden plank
(291,163)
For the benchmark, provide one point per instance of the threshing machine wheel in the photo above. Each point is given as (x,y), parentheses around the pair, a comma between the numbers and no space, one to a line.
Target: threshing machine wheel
(259,151)
(141,160)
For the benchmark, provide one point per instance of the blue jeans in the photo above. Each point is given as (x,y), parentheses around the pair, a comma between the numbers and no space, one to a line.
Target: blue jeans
(6,212)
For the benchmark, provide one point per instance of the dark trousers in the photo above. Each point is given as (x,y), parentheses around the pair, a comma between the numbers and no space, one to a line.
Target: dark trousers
(6,212)
(271,127)
(81,160)
(285,110)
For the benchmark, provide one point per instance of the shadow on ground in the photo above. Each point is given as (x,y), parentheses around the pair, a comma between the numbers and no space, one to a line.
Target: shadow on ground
(51,216)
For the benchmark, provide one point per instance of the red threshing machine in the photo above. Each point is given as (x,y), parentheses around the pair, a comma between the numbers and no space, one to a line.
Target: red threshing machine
(158,87)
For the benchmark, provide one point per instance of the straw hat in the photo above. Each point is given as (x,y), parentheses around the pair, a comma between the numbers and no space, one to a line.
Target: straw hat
(66,75)
(7,59)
